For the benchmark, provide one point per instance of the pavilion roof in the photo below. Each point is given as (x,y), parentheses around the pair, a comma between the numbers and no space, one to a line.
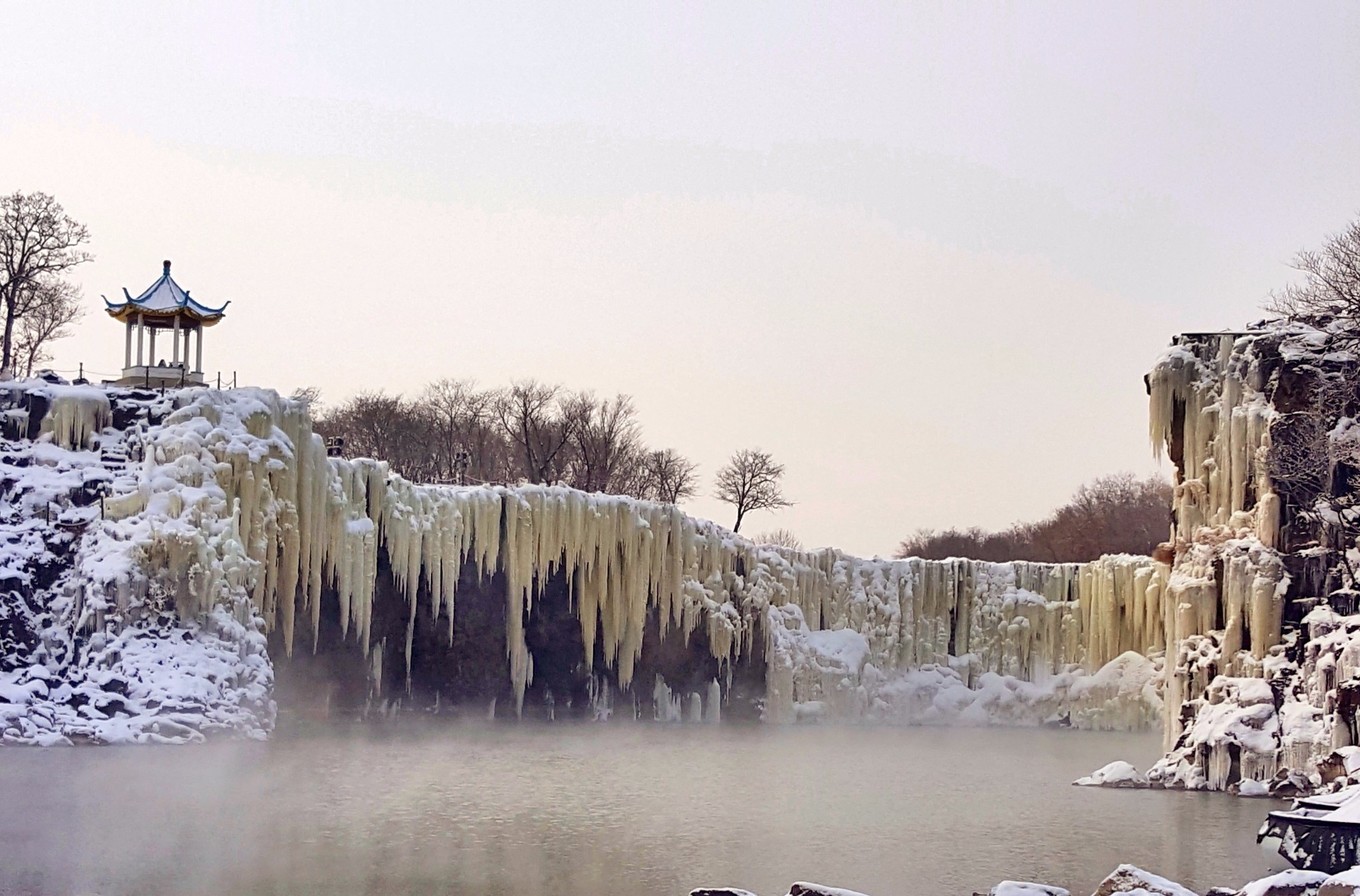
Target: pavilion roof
(165,298)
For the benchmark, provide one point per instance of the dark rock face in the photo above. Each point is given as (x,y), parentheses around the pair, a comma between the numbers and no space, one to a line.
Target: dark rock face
(459,667)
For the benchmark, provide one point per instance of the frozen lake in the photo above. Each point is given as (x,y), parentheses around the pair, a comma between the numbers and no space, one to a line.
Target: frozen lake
(593,809)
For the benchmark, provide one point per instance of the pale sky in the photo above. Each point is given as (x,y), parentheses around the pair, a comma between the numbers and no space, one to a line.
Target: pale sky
(922,253)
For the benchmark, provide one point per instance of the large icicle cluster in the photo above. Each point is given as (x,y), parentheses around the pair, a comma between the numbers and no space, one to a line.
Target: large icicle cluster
(1245,703)
(1210,412)
(231,506)
(923,641)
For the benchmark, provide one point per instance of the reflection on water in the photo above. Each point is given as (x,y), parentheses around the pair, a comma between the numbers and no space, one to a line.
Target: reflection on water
(593,809)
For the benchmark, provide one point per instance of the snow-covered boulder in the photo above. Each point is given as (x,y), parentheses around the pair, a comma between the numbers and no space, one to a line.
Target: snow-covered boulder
(1135,881)
(802,888)
(1293,882)
(1116,774)
(1026,888)
(1345,883)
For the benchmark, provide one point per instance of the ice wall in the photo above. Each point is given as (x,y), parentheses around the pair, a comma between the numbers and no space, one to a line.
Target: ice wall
(236,499)
(1250,695)
(1209,411)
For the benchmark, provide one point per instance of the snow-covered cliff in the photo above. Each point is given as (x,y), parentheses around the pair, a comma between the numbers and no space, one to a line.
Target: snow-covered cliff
(224,523)
(1260,427)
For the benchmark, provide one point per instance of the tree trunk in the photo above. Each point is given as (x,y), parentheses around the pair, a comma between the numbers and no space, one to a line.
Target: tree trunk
(6,347)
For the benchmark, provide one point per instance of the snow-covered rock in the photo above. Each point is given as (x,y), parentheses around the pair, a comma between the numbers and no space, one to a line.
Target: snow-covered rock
(807,889)
(1293,882)
(1026,888)
(1135,881)
(1116,774)
(1346,883)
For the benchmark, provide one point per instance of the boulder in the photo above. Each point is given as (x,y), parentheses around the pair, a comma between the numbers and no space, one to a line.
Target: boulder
(1024,888)
(1345,883)
(1134,880)
(802,888)
(1116,774)
(1293,882)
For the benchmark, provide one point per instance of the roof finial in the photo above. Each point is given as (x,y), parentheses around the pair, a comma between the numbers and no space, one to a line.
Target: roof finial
(167,267)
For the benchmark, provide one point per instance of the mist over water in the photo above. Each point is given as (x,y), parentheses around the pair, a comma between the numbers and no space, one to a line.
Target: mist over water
(591,809)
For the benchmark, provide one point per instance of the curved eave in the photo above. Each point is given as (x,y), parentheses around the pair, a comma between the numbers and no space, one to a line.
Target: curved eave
(192,311)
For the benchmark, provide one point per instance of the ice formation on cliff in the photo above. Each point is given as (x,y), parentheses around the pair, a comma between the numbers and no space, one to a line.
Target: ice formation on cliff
(232,507)
(1244,703)
(74,665)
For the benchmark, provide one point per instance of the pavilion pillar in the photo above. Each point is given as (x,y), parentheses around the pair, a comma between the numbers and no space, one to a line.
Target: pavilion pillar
(152,359)
(175,342)
(127,348)
(198,358)
(188,331)
(141,333)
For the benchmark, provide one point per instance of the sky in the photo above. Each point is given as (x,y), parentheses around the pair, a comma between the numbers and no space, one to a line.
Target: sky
(921,253)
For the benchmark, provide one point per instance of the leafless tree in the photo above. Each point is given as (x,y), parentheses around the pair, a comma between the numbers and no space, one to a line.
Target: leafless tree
(667,476)
(531,430)
(47,320)
(783,538)
(538,420)
(751,481)
(309,397)
(39,243)
(461,419)
(1330,287)
(1313,461)
(1118,514)
(385,427)
(606,442)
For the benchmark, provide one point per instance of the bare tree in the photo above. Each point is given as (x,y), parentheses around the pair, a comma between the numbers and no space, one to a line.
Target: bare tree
(781,538)
(385,427)
(46,320)
(39,243)
(1118,514)
(460,419)
(309,397)
(1313,461)
(607,445)
(749,482)
(1330,287)
(667,476)
(534,421)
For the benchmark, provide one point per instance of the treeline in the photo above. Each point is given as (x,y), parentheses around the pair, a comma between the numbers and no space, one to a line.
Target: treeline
(1119,514)
(453,431)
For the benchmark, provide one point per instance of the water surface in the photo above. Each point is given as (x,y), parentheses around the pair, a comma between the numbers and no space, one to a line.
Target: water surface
(582,810)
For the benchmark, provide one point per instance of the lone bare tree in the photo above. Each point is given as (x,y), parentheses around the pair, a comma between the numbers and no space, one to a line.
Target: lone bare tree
(751,481)
(39,243)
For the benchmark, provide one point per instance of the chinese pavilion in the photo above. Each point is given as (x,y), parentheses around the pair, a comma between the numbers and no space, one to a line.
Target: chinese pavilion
(167,309)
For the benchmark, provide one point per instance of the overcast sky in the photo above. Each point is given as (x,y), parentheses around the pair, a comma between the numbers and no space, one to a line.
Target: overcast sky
(923,254)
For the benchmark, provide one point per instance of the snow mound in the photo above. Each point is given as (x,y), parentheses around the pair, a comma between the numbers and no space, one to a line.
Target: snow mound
(1116,774)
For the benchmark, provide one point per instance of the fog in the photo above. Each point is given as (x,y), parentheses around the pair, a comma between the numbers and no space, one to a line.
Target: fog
(589,809)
